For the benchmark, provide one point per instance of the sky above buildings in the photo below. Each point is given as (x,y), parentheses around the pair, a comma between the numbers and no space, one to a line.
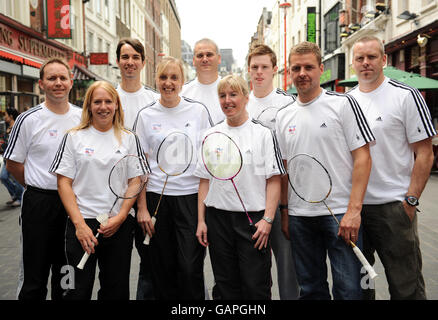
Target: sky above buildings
(230,23)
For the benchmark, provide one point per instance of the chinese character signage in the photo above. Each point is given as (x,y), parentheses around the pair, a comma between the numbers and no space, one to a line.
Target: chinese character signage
(58,19)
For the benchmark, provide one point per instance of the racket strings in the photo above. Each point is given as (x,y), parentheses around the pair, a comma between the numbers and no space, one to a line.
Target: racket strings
(175,154)
(221,156)
(128,177)
(309,179)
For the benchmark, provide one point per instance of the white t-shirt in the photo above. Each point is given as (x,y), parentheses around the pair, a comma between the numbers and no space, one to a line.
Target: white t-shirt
(87,156)
(276,99)
(34,141)
(133,102)
(156,122)
(206,94)
(261,161)
(327,128)
(398,116)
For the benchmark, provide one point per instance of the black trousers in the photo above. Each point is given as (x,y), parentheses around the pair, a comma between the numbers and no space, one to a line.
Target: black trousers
(177,258)
(113,255)
(42,222)
(240,270)
(145,286)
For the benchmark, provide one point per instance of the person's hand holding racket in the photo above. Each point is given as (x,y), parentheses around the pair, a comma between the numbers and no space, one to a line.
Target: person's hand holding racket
(85,236)
(174,156)
(126,180)
(349,225)
(312,183)
(145,221)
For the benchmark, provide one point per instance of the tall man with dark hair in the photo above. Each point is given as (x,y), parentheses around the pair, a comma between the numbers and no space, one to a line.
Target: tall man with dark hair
(262,66)
(135,96)
(402,159)
(32,147)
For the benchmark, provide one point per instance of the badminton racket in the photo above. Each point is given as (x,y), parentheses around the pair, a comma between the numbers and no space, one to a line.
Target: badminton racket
(126,180)
(174,156)
(312,183)
(267,117)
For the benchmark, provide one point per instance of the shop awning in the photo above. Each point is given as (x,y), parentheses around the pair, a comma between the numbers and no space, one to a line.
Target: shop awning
(32,63)
(11,56)
(14,57)
(412,79)
(81,73)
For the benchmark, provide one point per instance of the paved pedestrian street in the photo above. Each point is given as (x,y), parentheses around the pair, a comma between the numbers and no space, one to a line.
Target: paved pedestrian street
(427,225)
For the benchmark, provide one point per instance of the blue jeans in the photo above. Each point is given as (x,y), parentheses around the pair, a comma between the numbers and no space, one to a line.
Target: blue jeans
(312,238)
(14,188)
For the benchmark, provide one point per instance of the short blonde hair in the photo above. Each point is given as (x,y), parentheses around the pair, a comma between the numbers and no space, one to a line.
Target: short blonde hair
(165,62)
(306,47)
(87,117)
(368,38)
(235,82)
(208,42)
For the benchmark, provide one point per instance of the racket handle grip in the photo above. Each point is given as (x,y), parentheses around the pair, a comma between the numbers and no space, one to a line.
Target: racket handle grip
(147,239)
(84,259)
(364,262)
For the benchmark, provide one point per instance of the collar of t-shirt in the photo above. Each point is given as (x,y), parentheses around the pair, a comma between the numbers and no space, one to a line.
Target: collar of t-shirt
(312,101)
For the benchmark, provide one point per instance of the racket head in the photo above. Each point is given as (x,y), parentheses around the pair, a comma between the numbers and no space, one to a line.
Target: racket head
(308,178)
(128,177)
(175,153)
(221,156)
(268,117)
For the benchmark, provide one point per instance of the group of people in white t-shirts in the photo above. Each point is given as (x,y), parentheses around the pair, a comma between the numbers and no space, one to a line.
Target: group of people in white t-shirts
(64,155)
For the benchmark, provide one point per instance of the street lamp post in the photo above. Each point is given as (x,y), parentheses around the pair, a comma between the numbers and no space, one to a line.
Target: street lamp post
(284,6)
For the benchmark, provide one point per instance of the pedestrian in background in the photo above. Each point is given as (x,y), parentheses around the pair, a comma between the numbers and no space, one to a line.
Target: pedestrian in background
(14,188)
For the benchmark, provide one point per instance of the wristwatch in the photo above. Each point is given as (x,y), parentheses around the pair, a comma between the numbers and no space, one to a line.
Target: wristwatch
(283,206)
(412,201)
(267,219)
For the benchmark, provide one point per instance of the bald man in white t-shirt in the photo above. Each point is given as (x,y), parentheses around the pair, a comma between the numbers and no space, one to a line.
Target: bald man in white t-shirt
(402,158)
(203,88)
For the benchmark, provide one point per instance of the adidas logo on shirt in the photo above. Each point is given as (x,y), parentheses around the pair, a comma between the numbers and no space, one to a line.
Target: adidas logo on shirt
(323,125)
(379,119)
(118,152)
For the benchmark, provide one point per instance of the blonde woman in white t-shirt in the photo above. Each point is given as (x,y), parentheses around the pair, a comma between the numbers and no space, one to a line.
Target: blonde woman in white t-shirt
(240,255)
(83,164)
(176,257)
